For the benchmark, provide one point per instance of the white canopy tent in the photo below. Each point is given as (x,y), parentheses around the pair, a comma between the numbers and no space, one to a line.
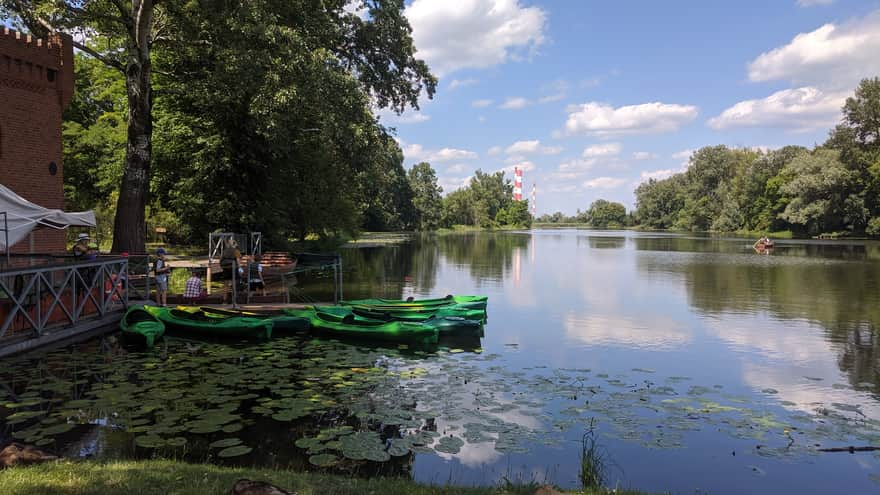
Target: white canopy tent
(22,216)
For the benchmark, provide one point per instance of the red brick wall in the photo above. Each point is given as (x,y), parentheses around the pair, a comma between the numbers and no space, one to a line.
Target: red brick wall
(36,85)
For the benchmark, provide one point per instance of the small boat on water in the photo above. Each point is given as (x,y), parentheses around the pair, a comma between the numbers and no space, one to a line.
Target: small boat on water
(281,321)
(328,324)
(140,327)
(469,302)
(215,325)
(445,324)
(420,314)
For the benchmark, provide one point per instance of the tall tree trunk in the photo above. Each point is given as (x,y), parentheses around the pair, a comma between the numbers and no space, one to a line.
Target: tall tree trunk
(129,226)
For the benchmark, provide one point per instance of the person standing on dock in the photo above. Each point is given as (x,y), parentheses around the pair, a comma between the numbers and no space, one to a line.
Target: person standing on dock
(161,269)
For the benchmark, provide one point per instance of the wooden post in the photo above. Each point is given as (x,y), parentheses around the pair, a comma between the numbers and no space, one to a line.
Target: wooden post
(209,275)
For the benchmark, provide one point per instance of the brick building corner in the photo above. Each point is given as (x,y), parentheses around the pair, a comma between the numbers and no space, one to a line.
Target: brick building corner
(36,85)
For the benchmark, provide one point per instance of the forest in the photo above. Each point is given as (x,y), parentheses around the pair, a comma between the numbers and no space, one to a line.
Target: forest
(209,115)
(831,189)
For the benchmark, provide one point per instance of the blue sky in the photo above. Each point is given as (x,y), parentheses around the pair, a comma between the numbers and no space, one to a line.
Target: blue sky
(591,97)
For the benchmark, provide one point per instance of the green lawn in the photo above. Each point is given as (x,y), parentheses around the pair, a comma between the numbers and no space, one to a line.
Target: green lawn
(163,477)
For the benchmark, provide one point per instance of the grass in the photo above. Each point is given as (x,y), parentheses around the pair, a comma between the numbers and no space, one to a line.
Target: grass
(593,469)
(177,478)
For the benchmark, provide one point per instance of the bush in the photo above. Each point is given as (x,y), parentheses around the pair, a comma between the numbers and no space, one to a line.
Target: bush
(873,229)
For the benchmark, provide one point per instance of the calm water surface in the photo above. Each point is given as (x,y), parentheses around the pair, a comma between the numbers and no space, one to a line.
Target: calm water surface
(792,333)
(701,364)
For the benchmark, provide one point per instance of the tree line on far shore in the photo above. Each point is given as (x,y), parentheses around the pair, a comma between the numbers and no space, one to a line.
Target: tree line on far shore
(832,188)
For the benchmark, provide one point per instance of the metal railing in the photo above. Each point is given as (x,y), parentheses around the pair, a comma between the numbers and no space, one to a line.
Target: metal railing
(325,263)
(35,299)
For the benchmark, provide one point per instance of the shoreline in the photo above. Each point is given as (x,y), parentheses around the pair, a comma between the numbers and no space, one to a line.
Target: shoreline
(147,477)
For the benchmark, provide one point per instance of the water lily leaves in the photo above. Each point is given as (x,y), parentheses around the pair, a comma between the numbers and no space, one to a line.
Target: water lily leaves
(149,441)
(364,445)
(176,442)
(226,442)
(323,460)
(398,447)
(235,451)
(449,445)
(232,428)
(58,429)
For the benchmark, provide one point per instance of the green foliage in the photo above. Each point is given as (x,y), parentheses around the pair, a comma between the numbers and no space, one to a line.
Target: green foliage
(427,201)
(873,227)
(515,214)
(835,187)
(819,188)
(261,113)
(486,203)
(604,213)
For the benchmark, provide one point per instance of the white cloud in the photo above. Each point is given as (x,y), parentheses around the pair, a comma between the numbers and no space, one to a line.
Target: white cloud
(450,184)
(461,83)
(800,109)
(811,3)
(834,56)
(449,154)
(644,155)
(481,119)
(407,118)
(418,153)
(532,146)
(608,149)
(514,103)
(551,98)
(495,151)
(658,174)
(457,168)
(603,120)
(604,183)
(683,154)
(481,103)
(525,166)
(474,34)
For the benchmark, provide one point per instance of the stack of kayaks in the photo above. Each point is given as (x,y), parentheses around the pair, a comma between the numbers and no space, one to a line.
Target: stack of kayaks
(335,324)
(410,321)
(460,302)
(281,321)
(140,327)
(197,321)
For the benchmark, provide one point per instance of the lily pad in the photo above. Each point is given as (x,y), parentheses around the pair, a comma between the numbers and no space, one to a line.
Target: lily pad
(323,460)
(226,442)
(236,451)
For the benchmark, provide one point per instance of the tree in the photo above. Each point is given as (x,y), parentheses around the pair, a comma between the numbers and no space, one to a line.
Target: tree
(426,196)
(603,213)
(222,50)
(516,214)
(128,28)
(818,185)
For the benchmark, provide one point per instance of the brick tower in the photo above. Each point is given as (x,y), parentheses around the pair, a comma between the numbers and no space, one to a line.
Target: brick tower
(36,85)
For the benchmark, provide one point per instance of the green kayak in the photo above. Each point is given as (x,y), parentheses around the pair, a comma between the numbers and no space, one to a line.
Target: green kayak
(140,327)
(330,325)
(420,314)
(471,302)
(445,324)
(217,325)
(281,321)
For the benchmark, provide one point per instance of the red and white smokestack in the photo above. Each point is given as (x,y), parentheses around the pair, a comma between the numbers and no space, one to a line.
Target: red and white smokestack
(517,183)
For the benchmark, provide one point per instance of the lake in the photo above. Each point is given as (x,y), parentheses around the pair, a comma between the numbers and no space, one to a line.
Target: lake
(698,363)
